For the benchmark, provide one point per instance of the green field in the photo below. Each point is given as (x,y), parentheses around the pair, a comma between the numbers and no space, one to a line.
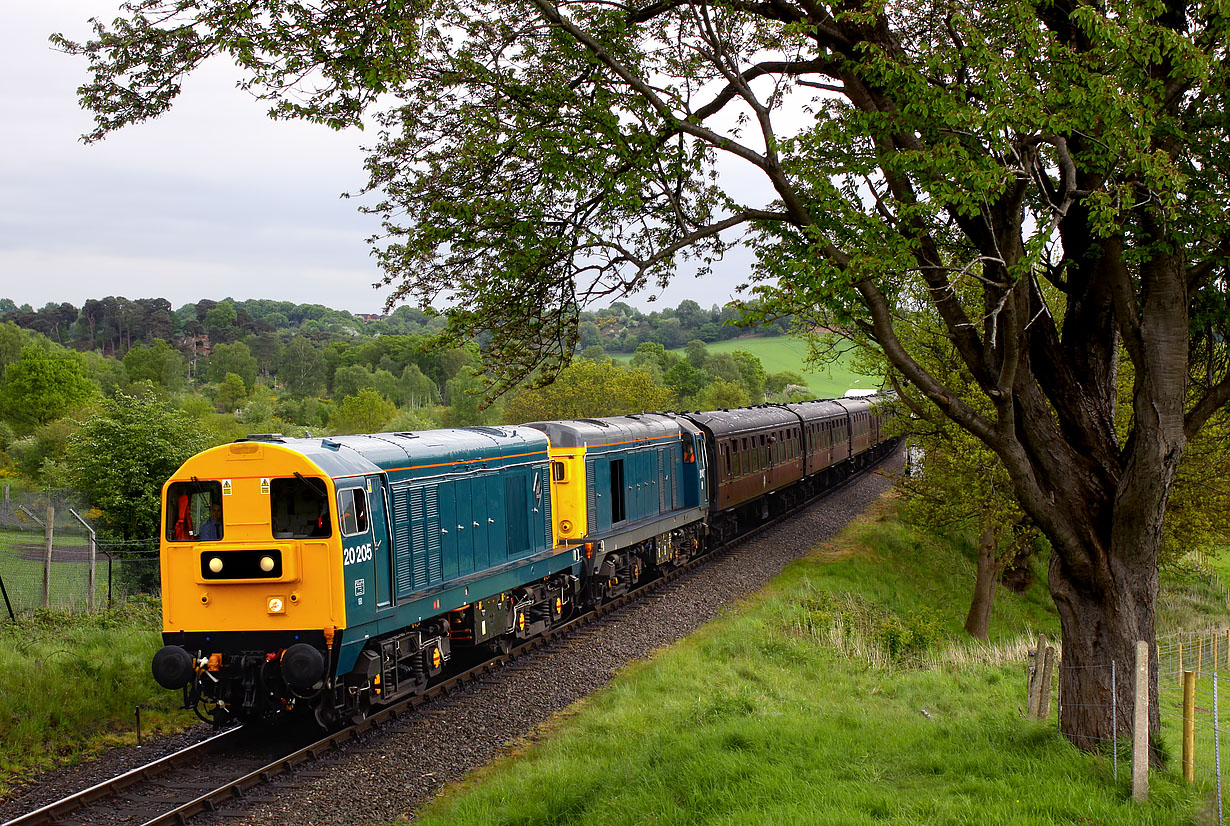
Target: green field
(778,353)
(844,693)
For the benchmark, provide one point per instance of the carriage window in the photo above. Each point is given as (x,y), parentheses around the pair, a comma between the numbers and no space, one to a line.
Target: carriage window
(299,508)
(188,517)
(726,456)
(352,511)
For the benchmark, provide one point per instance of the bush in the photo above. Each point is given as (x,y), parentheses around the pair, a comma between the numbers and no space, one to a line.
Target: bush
(856,625)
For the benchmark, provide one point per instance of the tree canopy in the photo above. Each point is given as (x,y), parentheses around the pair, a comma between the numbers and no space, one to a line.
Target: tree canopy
(589,388)
(43,385)
(121,456)
(1043,181)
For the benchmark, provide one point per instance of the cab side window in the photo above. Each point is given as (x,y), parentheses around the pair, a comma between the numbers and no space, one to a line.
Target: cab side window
(352,505)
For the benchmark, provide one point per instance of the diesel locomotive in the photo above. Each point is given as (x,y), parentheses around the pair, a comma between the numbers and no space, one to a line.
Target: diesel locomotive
(327,577)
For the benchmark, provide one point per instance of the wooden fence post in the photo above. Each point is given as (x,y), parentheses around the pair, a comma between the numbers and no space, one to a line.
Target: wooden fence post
(1035,682)
(1044,691)
(48,533)
(1189,726)
(1140,725)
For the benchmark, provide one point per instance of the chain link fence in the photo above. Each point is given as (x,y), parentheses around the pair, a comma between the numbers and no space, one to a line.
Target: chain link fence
(51,558)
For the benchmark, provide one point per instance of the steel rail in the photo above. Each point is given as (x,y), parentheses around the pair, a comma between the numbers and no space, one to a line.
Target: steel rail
(53,812)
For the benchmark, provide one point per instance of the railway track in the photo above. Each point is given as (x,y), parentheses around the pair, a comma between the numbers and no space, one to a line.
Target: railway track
(233,763)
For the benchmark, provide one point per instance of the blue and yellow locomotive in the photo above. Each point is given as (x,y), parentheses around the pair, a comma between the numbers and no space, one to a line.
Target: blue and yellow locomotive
(339,574)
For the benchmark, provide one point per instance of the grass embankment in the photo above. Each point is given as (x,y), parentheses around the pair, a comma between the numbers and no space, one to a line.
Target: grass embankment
(69,684)
(845,693)
(778,353)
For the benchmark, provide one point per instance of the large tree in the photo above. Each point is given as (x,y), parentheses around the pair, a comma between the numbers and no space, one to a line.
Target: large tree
(1044,179)
(44,384)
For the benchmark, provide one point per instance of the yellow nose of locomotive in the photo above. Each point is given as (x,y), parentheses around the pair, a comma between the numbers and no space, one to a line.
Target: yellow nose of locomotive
(248,544)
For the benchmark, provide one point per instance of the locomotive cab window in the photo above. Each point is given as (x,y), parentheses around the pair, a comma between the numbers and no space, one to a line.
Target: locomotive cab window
(352,510)
(300,508)
(194,511)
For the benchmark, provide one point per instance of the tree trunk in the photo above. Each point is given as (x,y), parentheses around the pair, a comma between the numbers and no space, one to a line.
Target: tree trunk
(1017,574)
(1106,529)
(1099,639)
(978,622)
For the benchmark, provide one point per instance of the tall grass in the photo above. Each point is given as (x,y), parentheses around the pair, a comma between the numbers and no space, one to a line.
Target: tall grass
(70,683)
(1193,593)
(845,693)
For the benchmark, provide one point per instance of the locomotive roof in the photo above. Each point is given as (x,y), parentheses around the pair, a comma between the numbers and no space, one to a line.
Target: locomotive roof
(609,430)
(409,451)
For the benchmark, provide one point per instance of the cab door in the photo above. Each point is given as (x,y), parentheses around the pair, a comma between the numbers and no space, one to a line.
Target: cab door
(382,548)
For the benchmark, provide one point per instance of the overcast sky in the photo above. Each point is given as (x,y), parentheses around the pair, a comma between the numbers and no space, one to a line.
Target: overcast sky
(212,200)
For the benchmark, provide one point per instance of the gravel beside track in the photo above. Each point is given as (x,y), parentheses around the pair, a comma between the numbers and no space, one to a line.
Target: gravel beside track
(387,774)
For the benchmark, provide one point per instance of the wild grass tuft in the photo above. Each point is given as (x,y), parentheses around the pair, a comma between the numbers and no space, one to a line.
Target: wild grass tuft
(70,684)
(1193,593)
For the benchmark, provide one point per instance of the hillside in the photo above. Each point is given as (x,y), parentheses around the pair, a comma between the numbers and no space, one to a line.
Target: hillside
(778,353)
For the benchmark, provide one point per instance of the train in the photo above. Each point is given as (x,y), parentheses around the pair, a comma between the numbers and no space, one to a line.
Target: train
(329,577)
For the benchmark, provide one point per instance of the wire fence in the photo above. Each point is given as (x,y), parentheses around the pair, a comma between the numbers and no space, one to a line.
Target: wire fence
(1195,713)
(1193,670)
(66,567)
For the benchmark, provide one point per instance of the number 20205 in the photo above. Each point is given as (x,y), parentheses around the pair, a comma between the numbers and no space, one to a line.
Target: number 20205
(359,553)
